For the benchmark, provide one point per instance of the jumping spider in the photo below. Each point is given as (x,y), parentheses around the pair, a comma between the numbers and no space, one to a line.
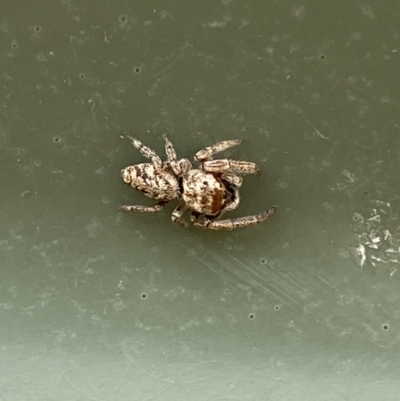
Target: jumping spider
(208,191)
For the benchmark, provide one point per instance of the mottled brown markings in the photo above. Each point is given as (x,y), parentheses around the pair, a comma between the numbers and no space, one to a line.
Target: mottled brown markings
(203,200)
(217,202)
(208,191)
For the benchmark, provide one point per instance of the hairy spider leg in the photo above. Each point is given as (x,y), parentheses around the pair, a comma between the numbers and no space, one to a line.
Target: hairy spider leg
(169,149)
(208,152)
(231,224)
(179,167)
(235,201)
(146,152)
(232,178)
(238,166)
(177,214)
(144,209)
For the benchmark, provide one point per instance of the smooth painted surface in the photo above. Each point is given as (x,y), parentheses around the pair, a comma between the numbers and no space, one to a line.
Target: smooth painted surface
(96,304)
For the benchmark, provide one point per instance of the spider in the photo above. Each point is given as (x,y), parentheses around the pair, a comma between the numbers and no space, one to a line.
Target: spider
(208,191)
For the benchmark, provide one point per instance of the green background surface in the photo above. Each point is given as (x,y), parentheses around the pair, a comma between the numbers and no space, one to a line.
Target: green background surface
(96,304)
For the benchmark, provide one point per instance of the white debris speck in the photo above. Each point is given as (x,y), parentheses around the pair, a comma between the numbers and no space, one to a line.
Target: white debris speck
(378,236)
(361,252)
(375,240)
(376,218)
(387,235)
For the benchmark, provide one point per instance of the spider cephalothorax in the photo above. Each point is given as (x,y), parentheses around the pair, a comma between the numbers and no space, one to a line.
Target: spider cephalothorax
(208,191)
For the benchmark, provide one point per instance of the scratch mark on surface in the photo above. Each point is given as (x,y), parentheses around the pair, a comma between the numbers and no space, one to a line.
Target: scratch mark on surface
(260,282)
(179,375)
(78,390)
(265,281)
(184,106)
(120,382)
(173,62)
(382,100)
(198,380)
(143,370)
(291,285)
(316,130)
(325,282)
(237,279)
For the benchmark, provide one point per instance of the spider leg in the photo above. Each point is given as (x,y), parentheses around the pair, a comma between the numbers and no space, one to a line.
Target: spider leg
(177,214)
(179,167)
(223,165)
(146,152)
(231,224)
(194,216)
(232,178)
(208,152)
(234,202)
(144,209)
(200,220)
(170,150)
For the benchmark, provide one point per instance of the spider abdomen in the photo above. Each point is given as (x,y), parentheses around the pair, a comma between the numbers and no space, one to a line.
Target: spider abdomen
(204,192)
(155,183)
